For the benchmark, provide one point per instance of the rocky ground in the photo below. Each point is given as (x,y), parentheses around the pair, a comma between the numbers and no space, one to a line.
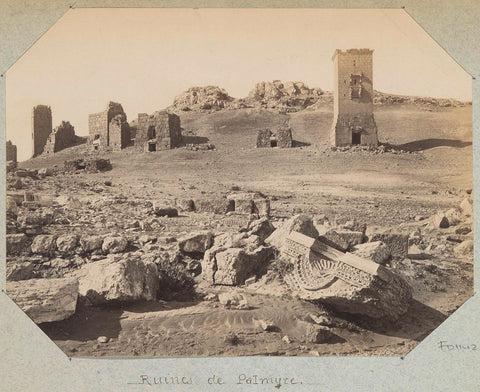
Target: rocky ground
(167,253)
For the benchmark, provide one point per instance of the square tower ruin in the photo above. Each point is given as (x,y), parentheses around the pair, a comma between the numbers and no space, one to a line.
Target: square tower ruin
(160,131)
(353,121)
(109,129)
(41,128)
(11,152)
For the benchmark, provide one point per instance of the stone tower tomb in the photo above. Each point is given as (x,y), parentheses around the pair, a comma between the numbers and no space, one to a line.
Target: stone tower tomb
(41,128)
(353,121)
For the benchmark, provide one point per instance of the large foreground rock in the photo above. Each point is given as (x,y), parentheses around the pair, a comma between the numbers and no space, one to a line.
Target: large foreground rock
(45,300)
(299,223)
(129,279)
(346,282)
(196,242)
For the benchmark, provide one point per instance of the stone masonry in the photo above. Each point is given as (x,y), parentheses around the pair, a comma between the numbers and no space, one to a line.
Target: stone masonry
(160,131)
(353,121)
(109,129)
(11,153)
(282,138)
(63,136)
(41,128)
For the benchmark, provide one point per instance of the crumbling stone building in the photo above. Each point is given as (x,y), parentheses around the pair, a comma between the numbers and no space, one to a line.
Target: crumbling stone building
(109,129)
(41,128)
(160,131)
(11,153)
(353,121)
(63,136)
(281,138)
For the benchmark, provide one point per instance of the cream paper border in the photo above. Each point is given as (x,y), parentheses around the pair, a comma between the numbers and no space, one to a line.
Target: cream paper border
(30,361)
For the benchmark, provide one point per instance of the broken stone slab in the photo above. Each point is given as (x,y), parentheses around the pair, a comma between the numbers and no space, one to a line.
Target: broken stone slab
(439,221)
(163,210)
(114,244)
(187,205)
(299,223)
(261,207)
(224,265)
(45,300)
(376,251)
(11,207)
(231,299)
(244,206)
(19,270)
(467,206)
(346,282)
(216,206)
(312,333)
(454,217)
(465,248)
(397,243)
(17,244)
(37,218)
(44,244)
(463,229)
(262,228)
(196,242)
(415,253)
(126,280)
(342,240)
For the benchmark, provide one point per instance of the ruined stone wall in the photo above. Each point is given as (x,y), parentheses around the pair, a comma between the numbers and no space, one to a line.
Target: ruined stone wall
(284,137)
(263,138)
(160,131)
(11,153)
(353,98)
(63,136)
(119,132)
(41,128)
(99,127)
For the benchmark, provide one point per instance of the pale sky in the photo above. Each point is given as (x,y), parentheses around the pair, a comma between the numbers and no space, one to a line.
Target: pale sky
(143,58)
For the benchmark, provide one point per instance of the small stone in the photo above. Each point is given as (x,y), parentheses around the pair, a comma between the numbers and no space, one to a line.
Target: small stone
(268,326)
(286,339)
(102,339)
(114,244)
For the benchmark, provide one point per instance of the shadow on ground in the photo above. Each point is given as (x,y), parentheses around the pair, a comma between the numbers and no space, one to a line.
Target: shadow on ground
(426,144)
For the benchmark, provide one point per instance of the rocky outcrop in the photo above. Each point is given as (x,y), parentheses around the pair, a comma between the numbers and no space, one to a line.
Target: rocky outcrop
(209,98)
(45,300)
(128,279)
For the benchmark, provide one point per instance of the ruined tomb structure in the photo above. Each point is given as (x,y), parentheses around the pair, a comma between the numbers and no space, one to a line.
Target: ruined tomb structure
(353,121)
(41,128)
(11,153)
(160,131)
(109,129)
(281,138)
(61,137)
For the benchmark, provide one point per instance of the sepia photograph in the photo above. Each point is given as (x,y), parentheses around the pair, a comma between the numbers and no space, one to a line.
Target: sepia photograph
(238,182)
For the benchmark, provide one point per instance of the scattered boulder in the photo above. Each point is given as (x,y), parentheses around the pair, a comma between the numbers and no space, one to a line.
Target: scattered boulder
(300,223)
(463,230)
(465,248)
(45,172)
(163,210)
(45,300)
(315,333)
(231,298)
(11,207)
(19,270)
(67,243)
(114,244)
(467,206)
(91,243)
(232,266)
(453,216)
(342,240)
(397,243)
(261,228)
(37,218)
(187,205)
(196,242)
(376,251)
(17,244)
(129,279)
(439,221)
(268,326)
(44,244)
